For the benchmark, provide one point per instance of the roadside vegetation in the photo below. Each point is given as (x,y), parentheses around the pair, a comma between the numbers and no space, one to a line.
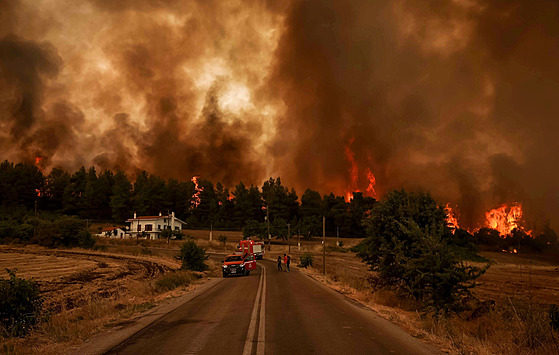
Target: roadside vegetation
(438,287)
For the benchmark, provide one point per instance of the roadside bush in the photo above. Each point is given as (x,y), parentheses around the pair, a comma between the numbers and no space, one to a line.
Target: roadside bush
(554,316)
(172,280)
(412,249)
(20,305)
(222,239)
(306,260)
(193,257)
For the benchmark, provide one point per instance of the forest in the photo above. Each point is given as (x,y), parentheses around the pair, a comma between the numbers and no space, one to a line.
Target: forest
(108,196)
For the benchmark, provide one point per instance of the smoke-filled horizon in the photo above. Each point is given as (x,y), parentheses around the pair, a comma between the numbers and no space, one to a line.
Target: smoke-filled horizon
(455,97)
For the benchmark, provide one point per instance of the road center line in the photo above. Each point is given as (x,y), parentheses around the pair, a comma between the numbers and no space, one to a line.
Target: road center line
(252,326)
(260,348)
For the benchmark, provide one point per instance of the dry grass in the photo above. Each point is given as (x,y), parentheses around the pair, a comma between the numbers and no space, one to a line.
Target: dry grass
(518,323)
(87,292)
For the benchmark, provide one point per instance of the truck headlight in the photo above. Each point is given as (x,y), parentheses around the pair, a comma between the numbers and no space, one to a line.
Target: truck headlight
(242,265)
(224,266)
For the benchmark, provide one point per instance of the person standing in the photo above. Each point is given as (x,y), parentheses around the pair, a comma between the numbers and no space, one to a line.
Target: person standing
(288,262)
(279,263)
(285,261)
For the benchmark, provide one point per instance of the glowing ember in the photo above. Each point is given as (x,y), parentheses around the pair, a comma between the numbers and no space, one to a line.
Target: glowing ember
(195,200)
(38,160)
(504,218)
(38,192)
(451,219)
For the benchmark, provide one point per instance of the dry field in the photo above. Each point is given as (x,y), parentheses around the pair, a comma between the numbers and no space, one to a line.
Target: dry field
(86,292)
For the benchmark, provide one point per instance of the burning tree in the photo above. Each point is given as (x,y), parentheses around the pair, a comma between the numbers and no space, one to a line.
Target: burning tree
(412,249)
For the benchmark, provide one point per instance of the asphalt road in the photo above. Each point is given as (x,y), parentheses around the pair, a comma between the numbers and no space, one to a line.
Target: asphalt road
(271,312)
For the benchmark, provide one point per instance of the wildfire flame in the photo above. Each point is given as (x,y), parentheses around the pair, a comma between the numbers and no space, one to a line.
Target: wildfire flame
(195,200)
(354,175)
(451,219)
(504,218)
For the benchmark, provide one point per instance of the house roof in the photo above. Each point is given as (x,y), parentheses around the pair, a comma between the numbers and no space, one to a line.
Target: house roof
(154,218)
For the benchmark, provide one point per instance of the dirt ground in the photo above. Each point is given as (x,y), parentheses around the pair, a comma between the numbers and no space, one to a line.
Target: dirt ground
(70,279)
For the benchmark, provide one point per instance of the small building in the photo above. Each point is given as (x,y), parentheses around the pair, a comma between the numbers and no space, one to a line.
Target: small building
(152,226)
(114,232)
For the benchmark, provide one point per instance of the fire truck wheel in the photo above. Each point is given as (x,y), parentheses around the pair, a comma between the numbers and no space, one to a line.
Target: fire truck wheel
(224,275)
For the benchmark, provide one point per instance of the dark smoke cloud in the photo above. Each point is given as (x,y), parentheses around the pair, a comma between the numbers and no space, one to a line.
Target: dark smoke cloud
(451,96)
(457,97)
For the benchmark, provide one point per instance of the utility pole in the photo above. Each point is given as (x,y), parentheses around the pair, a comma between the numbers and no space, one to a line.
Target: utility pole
(337,236)
(268,220)
(298,240)
(288,238)
(35,222)
(168,228)
(323,245)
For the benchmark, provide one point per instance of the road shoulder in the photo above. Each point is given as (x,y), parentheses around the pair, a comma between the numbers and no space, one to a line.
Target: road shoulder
(105,341)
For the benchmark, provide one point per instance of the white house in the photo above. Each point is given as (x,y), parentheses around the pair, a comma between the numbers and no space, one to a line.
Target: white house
(153,225)
(114,232)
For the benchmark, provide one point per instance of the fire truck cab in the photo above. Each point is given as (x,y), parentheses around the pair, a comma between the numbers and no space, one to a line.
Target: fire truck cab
(238,264)
(252,247)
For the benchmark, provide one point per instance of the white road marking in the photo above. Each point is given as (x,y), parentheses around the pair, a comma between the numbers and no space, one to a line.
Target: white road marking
(252,326)
(260,348)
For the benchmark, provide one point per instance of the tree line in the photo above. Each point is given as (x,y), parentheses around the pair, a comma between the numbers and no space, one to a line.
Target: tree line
(114,196)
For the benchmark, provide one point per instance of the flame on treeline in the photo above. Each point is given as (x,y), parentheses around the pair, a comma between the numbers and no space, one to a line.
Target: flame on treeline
(38,160)
(354,175)
(195,200)
(504,219)
(451,219)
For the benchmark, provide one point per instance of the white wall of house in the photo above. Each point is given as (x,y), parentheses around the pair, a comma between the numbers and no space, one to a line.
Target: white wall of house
(120,234)
(153,225)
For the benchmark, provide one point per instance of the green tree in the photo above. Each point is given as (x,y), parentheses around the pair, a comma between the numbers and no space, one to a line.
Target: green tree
(74,192)
(121,199)
(193,257)
(412,249)
(56,182)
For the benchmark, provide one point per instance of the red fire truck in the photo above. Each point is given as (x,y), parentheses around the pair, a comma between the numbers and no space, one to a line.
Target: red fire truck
(252,247)
(238,264)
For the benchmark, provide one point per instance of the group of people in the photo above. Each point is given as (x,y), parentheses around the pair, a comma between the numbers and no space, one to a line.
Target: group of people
(286,261)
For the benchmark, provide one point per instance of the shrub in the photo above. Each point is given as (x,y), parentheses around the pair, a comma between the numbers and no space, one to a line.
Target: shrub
(193,257)
(307,260)
(412,249)
(172,280)
(20,305)
(554,316)
(85,239)
(222,239)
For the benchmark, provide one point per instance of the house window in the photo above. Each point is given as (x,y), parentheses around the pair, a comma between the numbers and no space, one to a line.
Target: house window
(148,227)
(158,227)
(176,228)
(139,227)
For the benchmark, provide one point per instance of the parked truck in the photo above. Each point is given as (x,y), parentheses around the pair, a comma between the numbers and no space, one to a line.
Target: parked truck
(252,247)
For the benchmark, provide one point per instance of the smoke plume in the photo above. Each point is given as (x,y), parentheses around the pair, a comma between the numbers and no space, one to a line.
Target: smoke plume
(456,97)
